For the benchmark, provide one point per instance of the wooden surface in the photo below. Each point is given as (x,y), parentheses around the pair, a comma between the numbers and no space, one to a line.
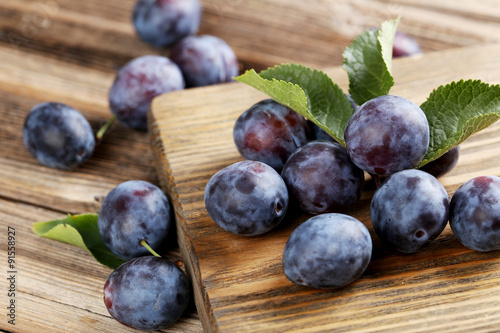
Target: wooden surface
(60,286)
(69,51)
(239,281)
(262,32)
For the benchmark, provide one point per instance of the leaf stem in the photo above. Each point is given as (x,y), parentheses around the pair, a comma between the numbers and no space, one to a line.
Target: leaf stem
(104,128)
(144,243)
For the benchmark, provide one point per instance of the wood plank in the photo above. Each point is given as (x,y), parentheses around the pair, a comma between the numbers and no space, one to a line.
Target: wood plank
(97,34)
(238,281)
(262,33)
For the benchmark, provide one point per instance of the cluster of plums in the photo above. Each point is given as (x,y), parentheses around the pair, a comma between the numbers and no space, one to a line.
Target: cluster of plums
(60,137)
(289,160)
(146,292)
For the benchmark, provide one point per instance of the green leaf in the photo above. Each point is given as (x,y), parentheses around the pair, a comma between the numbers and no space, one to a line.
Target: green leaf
(309,92)
(80,231)
(368,63)
(456,111)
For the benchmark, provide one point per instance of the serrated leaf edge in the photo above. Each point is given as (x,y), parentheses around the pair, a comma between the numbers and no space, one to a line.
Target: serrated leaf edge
(464,133)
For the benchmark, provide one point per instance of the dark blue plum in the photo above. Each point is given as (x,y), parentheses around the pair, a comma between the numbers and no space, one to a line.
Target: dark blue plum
(133,211)
(147,293)
(443,164)
(270,132)
(165,22)
(247,198)
(404,45)
(387,134)
(409,210)
(137,83)
(58,136)
(321,178)
(205,60)
(475,213)
(327,251)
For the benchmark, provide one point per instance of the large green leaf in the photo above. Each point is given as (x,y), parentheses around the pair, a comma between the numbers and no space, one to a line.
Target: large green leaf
(368,63)
(80,231)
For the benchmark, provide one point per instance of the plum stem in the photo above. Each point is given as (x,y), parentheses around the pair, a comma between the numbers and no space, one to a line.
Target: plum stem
(100,133)
(144,243)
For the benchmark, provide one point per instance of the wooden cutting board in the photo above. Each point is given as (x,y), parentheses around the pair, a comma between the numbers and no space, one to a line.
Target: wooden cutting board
(238,281)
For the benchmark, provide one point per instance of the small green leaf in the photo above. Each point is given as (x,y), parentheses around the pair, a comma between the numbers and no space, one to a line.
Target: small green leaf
(309,92)
(368,62)
(456,111)
(80,231)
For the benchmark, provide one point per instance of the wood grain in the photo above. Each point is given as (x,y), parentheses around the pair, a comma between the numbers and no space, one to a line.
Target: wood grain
(263,33)
(239,283)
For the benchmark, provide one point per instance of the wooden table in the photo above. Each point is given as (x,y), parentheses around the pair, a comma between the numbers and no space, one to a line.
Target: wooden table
(69,51)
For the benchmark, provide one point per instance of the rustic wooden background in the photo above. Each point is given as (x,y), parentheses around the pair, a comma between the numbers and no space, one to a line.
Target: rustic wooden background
(69,51)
